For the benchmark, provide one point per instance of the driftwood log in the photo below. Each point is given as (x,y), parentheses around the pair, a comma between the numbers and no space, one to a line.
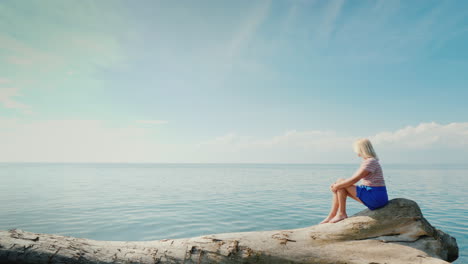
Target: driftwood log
(396,233)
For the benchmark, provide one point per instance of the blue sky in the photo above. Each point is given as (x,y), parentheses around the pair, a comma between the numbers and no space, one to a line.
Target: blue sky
(233,81)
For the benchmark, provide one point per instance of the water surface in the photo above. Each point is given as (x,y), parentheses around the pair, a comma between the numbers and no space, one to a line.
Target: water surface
(156,201)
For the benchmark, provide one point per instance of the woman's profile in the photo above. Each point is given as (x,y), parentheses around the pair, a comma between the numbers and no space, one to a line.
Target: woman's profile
(372,192)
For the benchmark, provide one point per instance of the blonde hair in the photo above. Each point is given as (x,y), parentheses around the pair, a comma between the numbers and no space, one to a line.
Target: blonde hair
(364,147)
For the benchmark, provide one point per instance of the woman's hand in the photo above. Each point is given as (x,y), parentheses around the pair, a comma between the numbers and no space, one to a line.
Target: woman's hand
(333,187)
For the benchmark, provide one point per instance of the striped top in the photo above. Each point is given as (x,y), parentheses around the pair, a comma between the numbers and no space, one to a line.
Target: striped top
(375,178)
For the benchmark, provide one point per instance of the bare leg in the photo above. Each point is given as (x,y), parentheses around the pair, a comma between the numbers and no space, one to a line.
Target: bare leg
(333,209)
(351,190)
(342,195)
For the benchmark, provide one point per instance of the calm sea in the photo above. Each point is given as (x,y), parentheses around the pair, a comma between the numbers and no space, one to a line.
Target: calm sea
(157,201)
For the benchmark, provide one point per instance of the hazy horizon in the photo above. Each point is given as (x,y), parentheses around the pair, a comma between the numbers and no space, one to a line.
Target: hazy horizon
(224,163)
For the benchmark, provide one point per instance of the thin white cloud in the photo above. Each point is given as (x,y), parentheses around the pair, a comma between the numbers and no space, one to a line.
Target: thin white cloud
(248,29)
(19,61)
(311,139)
(426,135)
(26,54)
(330,146)
(4,80)
(76,141)
(96,141)
(6,99)
(229,142)
(154,122)
(230,53)
(84,49)
(293,146)
(328,25)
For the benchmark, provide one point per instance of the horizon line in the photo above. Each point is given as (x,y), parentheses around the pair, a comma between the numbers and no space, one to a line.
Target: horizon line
(217,163)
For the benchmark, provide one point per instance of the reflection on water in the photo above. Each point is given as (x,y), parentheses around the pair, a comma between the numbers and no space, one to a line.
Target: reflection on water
(156,201)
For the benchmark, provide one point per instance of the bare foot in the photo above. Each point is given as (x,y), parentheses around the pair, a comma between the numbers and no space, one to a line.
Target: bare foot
(327,220)
(338,218)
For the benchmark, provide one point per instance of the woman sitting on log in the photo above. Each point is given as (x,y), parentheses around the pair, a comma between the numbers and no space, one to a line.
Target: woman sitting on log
(372,192)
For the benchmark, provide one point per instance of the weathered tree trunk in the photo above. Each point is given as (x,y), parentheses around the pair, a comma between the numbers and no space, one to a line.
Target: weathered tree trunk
(397,233)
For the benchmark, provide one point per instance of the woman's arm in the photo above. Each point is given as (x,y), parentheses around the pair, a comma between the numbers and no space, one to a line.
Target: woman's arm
(348,182)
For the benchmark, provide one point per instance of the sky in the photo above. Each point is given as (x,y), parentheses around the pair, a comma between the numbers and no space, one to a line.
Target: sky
(288,81)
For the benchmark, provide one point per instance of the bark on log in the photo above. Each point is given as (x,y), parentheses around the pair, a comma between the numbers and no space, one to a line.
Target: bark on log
(397,233)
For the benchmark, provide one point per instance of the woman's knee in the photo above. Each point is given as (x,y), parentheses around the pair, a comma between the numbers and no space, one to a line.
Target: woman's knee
(339,180)
(342,190)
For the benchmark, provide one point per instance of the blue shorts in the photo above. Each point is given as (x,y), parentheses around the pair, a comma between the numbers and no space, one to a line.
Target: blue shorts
(372,197)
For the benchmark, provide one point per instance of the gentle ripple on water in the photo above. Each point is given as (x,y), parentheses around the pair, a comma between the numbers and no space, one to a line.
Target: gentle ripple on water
(125,202)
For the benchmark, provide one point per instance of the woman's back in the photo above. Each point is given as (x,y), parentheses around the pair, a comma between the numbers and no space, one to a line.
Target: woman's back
(375,178)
